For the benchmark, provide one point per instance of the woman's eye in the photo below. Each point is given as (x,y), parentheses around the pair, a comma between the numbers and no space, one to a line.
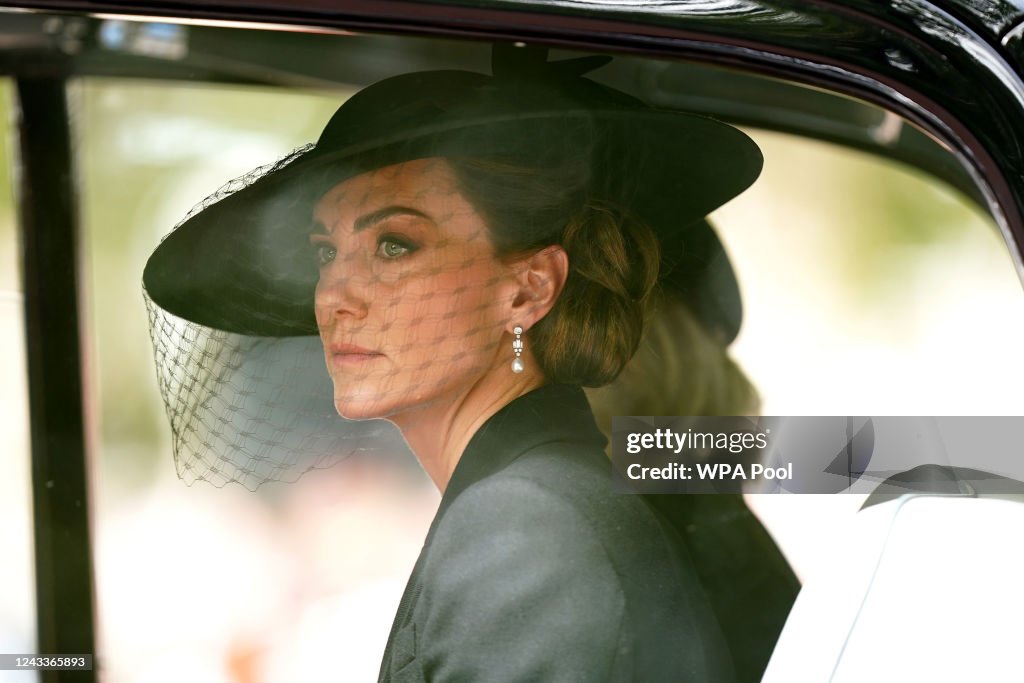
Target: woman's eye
(325,253)
(392,248)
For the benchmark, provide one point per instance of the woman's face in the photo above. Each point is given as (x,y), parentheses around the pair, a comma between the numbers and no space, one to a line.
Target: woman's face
(412,302)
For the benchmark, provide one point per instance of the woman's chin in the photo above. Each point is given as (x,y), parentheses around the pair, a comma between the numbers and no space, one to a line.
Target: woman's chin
(353,404)
(355,409)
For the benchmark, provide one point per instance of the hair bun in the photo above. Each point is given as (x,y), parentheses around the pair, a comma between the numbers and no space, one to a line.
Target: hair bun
(596,325)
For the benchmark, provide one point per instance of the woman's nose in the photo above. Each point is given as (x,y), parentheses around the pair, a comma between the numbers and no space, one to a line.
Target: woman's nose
(340,294)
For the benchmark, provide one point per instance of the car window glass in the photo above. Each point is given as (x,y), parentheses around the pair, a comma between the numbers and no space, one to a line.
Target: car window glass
(870,288)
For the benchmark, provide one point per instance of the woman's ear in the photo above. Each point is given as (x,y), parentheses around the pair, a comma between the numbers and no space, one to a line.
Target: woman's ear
(541,278)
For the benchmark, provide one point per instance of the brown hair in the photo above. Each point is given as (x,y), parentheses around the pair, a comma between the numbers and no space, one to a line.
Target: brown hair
(596,324)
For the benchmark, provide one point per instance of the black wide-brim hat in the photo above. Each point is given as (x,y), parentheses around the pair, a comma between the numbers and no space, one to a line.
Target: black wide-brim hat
(243,264)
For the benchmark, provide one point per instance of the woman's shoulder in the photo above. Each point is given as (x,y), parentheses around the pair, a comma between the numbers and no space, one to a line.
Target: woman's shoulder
(549,535)
(580,476)
(559,498)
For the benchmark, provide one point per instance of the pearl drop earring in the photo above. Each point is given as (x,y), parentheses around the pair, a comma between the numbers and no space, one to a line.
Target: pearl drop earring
(517,348)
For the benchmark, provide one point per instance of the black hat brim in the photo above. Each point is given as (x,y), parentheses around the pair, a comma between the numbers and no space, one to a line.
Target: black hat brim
(243,264)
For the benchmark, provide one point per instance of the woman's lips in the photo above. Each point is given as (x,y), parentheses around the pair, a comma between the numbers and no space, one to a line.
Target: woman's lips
(349,355)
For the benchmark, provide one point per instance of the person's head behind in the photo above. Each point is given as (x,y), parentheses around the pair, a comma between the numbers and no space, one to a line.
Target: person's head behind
(679,369)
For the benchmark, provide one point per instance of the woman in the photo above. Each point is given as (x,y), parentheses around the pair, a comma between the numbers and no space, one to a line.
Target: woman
(747,581)
(485,246)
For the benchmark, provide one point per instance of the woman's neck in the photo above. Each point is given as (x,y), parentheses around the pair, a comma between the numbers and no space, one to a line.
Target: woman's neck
(439,433)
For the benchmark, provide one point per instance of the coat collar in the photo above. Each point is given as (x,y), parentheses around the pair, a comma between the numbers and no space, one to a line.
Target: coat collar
(551,413)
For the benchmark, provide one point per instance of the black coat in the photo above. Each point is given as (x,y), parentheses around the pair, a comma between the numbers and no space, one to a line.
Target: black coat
(535,570)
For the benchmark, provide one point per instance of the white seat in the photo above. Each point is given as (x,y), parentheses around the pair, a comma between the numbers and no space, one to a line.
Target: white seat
(926,588)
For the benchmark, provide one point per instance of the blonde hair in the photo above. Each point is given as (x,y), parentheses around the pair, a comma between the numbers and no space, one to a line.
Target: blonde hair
(678,369)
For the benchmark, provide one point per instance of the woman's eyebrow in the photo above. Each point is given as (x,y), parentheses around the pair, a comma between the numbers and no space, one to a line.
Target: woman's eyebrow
(374,217)
(370,219)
